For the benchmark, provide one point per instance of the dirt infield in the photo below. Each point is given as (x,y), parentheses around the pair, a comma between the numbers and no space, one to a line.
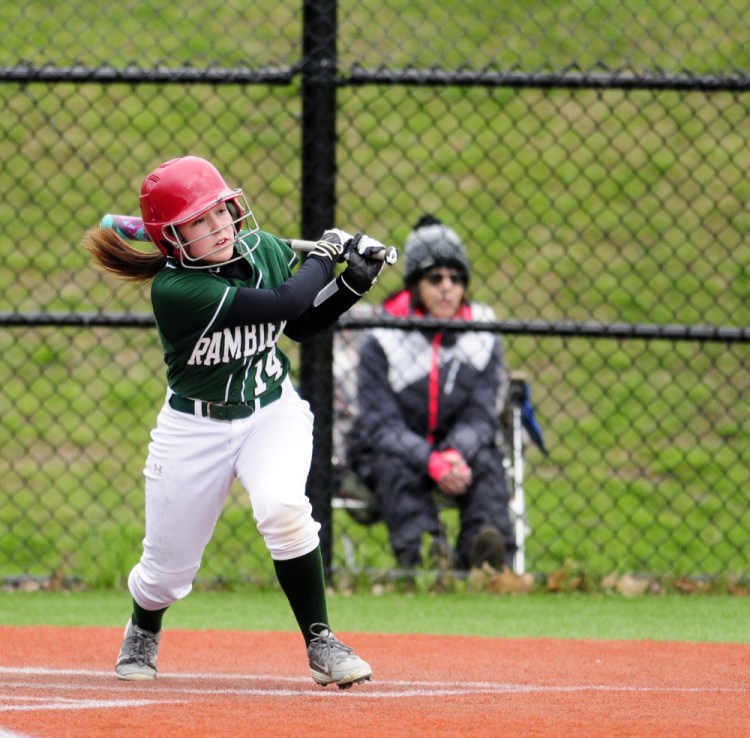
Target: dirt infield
(59,682)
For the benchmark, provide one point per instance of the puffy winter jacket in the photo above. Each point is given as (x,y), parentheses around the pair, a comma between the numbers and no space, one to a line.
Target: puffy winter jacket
(419,391)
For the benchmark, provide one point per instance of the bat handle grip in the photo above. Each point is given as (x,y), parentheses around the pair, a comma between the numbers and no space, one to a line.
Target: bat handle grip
(129,227)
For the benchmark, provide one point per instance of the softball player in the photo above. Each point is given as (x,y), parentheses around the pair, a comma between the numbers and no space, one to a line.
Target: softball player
(222,293)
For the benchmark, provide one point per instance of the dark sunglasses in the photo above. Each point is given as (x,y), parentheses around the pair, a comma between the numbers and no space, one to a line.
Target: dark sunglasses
(437,277)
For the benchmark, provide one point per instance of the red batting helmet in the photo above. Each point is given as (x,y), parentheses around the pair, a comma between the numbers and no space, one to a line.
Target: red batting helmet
(181,190)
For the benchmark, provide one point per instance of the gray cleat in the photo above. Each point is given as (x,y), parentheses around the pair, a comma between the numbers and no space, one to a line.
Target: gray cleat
(137,659)
(331,662)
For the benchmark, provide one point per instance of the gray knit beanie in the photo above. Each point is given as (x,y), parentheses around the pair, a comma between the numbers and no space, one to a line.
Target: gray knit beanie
(433,244)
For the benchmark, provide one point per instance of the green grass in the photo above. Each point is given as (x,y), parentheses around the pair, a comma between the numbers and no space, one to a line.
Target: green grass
(477,33)
(717,619)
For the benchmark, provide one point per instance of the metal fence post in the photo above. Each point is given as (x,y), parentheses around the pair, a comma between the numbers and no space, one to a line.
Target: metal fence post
(319,65)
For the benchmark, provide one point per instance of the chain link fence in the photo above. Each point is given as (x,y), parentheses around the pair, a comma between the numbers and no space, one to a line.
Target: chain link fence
(593,156)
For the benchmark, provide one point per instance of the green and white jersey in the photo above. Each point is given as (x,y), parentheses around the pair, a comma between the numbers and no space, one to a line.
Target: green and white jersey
(205,361)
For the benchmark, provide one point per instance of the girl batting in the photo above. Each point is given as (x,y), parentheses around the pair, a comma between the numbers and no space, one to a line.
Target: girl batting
(222,293)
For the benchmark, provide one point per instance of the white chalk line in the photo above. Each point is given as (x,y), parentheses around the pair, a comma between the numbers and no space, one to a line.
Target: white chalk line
(166,692)
(7,734)
(61,703)
(412,683)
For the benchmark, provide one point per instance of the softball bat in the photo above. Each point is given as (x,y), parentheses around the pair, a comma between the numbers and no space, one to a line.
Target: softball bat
(131,228)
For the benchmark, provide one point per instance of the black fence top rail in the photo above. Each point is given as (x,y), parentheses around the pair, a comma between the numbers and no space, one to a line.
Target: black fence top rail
(583,329)
(570,79)
(358,76)
(136,75)
(509,326)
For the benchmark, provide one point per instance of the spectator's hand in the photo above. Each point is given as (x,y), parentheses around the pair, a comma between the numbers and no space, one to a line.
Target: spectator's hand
(451,472)
(362,271)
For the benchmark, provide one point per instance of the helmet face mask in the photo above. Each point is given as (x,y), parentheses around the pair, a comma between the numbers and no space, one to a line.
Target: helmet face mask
(243,244)
(180,191)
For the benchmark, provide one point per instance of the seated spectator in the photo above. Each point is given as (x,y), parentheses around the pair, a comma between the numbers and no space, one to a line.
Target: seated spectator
(427,417)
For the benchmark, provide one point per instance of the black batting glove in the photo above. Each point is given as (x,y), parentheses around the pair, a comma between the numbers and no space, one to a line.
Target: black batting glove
(364,246)
(361,273)
(328,250)
(337,236)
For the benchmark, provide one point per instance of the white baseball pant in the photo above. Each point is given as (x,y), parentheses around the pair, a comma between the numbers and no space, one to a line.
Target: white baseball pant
(190,469)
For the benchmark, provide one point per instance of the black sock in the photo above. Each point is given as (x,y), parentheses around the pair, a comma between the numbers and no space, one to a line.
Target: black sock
(303,582)
(147,619)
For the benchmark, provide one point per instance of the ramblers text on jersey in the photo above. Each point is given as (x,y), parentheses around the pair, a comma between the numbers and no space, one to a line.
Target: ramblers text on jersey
(230,344)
